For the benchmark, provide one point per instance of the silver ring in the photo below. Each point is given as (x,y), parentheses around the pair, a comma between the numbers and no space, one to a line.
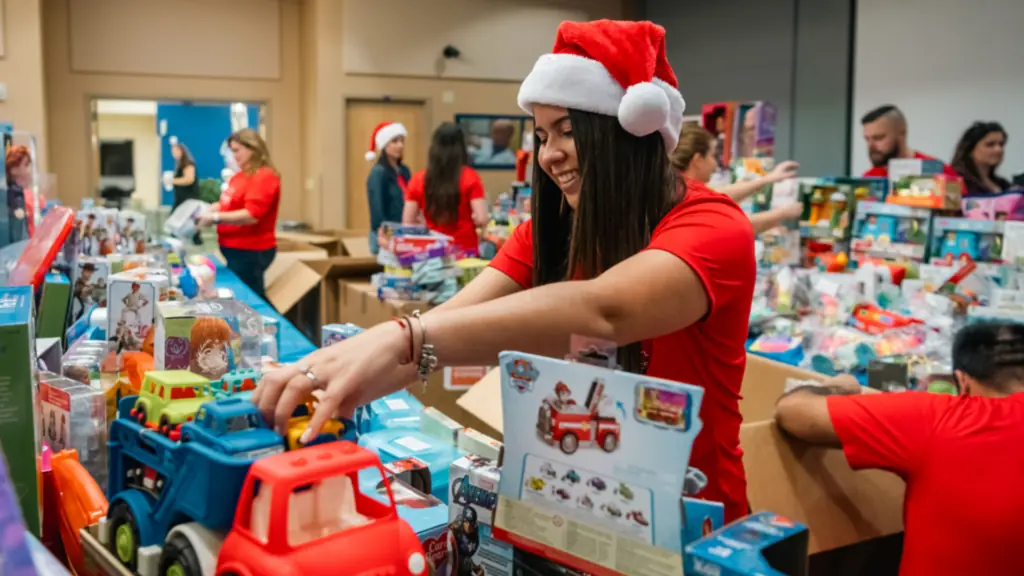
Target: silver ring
(311,376)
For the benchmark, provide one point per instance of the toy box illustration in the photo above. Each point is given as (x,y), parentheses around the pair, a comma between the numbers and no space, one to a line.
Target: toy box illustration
(718,119)
(828,211)
(961,239)
(97,231)
(764,544)
(90,285)
(131,232)
(939,191)
(209,338)
(1006,206)
(754,130)
(594,463)
(19,431)
(474,495)
(891,231)
(132,297)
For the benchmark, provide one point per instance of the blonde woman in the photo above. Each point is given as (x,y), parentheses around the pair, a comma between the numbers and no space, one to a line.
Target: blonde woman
(246,215)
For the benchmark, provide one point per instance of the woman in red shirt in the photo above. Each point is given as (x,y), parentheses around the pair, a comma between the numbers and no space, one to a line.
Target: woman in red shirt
(617,248)
(448,196)
(247,213)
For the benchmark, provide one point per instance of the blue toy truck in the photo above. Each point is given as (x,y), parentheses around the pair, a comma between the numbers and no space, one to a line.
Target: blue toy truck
(233,426)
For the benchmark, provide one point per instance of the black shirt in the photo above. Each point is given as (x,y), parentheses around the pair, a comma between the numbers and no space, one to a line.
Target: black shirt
(187,191)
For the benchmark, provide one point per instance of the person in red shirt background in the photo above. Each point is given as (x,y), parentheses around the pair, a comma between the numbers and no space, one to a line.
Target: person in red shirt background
(246,215)
(617,248)
(885,132)
(954,452)
(448,196)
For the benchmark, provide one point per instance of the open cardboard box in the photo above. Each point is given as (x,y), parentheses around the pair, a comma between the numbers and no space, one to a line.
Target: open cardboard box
(335,242)
(808,484)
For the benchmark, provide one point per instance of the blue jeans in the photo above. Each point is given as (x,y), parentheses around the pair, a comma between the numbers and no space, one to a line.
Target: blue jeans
(249,266)
(374,246)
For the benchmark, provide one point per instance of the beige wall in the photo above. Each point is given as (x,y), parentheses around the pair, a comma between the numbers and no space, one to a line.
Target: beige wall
(418,26)
(69,90)
(140,129)
(21,70)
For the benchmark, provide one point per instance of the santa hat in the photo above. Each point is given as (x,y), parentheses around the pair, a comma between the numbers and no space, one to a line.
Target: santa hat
(614,68)
(384,132)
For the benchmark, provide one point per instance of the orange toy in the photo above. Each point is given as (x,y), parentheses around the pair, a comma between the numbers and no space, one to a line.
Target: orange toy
(82,504)
(135,365)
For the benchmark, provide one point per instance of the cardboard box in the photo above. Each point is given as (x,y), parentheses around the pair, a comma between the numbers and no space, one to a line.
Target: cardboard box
(54,304)
(132,297)
(764,544)
(474,495)
(19,410)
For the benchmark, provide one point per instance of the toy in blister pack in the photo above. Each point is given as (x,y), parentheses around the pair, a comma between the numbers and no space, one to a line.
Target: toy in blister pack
(960,239)
(587,462)
(828,211)
(891,231)
(210,338)
(937,191)
(866,189)
(839,350)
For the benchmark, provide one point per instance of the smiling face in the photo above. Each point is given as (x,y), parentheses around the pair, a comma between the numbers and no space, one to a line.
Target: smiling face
(556,150)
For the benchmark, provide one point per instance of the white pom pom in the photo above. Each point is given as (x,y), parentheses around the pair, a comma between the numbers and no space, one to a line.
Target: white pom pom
(370,156)
(644,109)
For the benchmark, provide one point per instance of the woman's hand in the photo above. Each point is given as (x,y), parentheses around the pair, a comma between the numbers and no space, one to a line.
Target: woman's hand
(205,220)
(349,374)
(791,211)
(783,171)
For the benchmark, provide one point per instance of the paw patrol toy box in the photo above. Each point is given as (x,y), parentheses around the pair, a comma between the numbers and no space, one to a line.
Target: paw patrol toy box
(761,544)
(593,478)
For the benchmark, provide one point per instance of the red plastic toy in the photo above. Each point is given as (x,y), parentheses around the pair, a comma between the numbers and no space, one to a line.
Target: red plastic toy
(874,320)
(563,422)
(302,512)
(42,248)
(82,503)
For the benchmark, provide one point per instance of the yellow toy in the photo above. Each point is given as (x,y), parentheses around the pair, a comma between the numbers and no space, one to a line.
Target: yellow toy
(332,430)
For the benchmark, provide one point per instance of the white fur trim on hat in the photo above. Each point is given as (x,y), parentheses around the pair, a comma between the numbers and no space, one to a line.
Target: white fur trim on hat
(576,82)
(387,134)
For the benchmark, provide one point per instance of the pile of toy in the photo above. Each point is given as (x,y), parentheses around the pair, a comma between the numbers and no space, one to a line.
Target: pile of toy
(418,265)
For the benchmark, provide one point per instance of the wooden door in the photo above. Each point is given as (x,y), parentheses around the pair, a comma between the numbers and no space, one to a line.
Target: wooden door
(361,117)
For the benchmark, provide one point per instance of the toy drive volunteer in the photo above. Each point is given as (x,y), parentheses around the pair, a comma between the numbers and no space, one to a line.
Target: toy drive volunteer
(618,248)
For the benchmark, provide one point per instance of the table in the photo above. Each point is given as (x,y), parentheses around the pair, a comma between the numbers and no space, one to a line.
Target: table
(294,346)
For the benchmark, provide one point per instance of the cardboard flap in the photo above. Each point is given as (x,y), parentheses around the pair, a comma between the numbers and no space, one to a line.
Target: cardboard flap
(345,266)
(483,400)
(357,247)
(816,486)
(292,284)
(764,381)
(319,240)
(288,253)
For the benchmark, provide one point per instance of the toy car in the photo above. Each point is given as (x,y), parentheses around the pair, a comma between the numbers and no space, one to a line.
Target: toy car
(875,320)
(586,502)
(597,484)
(611,510)
(169,398)
(233,426)
(333,429)
(236,382)
(624,492)
(571,477)
(535,484)
(548,470)
(561,493)
(638,517)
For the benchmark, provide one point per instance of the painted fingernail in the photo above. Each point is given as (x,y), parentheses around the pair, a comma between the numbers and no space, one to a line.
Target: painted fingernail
(306,436)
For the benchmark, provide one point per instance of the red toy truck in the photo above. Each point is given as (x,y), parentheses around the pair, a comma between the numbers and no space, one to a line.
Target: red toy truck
(302,513)
(563,422)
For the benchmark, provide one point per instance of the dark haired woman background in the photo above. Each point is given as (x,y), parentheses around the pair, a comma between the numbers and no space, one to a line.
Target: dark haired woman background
(617,248)
(385,186)
(448,196)
(988,196)
(185,182)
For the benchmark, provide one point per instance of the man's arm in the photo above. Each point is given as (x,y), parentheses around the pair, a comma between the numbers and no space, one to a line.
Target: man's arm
(803,412)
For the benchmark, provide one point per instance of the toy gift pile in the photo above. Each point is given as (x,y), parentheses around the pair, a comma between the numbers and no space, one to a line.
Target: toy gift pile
(418,265)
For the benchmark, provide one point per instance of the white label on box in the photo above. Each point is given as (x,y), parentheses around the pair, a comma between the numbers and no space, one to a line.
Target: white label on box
(397,404)
(1013,241)
(413,444)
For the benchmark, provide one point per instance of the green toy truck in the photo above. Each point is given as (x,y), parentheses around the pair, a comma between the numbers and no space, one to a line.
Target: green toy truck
(169,398)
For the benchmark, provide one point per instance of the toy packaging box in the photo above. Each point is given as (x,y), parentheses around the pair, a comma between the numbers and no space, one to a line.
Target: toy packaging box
(828,212)
(271,343)
(332,333)
(745,169)
(864,188)
(426,451)
(19,410)
(956,240)
(398,410)
(74,416)
(762,544)
(54,304)
(937,191)
(471,504)
(891,231)
(718,119)
(131,232)
(754,130)
(899,168)
(89,285)
(590,485)
(700,518)
(132,298)
(209,338)
(182,222)
(97,230)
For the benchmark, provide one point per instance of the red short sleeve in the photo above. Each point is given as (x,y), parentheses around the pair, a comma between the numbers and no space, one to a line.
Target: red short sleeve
(515,259)
(472,185)
(262,193)
(709,232)
(414,191)
(887,431)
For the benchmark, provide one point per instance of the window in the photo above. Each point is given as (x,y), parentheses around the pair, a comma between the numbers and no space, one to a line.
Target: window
(321,509)
(241,423)
(182,392)
(259,515)
(152,387)
(201,415)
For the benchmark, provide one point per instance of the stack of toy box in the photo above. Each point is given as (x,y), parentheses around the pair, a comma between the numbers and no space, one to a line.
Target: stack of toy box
(97,230)
(923,184)
(74,416)
(471,504)
(19,434)
(210,338)
(418,265)
(132,298)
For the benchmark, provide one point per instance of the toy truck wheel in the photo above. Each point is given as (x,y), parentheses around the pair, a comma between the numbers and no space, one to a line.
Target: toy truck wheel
(610,442)
(569,443)
(140,415)
(165,426)
(124,535)
(179,559)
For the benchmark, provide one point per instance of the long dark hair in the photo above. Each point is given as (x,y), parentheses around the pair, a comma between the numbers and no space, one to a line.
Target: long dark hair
(964,164)
(628,185)
(445,160)
(186,157)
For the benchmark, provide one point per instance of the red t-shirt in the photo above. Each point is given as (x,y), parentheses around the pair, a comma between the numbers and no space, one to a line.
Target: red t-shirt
(463,231)
(961,459)
(709,232)
(883,171)
(260,194)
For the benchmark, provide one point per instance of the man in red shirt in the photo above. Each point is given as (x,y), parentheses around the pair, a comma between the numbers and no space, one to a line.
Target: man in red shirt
(956,453)
(885,132)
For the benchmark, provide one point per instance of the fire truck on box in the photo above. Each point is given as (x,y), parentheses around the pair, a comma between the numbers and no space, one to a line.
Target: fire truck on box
(568,424)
